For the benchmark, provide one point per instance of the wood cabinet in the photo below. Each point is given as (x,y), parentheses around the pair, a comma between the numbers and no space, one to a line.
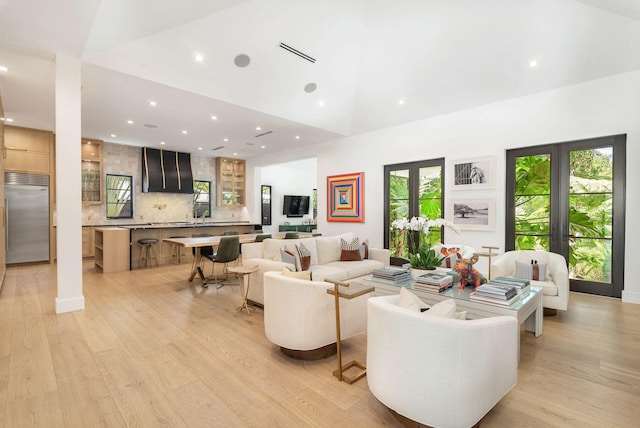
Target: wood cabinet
(230,182)
(3,223)
(28,150)
(112,249)
(91,171)
(88,244)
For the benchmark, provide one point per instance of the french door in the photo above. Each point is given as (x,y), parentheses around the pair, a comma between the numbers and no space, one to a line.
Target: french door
(412,189)
(569,198)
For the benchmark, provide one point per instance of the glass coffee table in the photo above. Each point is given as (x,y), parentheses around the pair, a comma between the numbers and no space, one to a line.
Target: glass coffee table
(527,309)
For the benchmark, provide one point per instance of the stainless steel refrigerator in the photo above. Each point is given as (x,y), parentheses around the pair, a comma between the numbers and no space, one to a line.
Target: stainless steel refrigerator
(27,204)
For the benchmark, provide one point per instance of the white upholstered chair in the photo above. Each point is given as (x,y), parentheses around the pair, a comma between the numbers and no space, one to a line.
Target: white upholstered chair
(299,316)
(438,371)
(555,290)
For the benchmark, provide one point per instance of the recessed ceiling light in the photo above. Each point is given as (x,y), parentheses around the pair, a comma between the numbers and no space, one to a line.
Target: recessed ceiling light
(199,58)
(152,103)
(3,68)
(214,117)
(130,122)
(263,147)
(297,137)
(199,148)
(113,135)
(258,128)
(185,132)
(533,63)
(235,154)
(8,119)
(401,101)
(226,139)
(320,103)
(242,60)
(88,142)
(162,143)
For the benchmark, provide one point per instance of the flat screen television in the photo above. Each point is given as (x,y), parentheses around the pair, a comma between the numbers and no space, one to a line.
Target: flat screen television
(295,206)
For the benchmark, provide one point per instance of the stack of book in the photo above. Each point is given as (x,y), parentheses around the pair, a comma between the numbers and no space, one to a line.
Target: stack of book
(521,284)
(432,281)
(390,275)
(495,293)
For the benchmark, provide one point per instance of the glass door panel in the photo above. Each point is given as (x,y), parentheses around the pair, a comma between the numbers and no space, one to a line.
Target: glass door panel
(398,208)
(532,202)
(430,198)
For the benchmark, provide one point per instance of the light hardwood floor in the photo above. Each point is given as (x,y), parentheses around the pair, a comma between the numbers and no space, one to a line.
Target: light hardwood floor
(152,349)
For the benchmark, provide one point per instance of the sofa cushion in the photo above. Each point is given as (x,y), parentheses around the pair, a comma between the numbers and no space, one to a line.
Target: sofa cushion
(299,275)
(356,269)
(411,301)
(322,272)
(288,257)
(350,250)
(526,271)
(304,256)
(364,249)
(446,308)
(329,248)
(549,288)
(271,248)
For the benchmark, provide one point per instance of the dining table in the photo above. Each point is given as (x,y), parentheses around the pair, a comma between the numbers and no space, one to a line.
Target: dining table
(204,241)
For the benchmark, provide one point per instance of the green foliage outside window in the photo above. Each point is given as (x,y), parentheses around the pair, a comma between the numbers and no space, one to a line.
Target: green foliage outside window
(201,198)
(119,199)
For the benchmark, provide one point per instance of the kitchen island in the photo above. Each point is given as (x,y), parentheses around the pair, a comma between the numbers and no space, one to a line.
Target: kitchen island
(161,231)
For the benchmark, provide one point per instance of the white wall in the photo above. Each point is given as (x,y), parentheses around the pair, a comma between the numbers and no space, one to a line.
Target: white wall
(602,107)
(290,178)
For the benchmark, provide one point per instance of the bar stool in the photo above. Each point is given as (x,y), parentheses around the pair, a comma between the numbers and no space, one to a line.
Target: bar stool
(176,250)
(147,251)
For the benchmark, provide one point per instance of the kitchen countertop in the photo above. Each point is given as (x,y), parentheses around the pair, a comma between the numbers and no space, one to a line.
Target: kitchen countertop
(165,225)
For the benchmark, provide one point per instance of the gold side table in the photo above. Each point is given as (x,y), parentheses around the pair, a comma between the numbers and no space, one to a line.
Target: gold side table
(489,253)
(346,291)
(243,271)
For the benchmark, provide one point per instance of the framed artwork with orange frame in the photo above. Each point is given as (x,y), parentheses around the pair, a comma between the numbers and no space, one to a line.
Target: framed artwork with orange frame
(345,197)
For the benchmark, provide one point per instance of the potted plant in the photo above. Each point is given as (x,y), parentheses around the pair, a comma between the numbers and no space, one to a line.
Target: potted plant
(421,256)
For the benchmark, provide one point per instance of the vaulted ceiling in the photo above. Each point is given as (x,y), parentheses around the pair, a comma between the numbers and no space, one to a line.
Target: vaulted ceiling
(369,64)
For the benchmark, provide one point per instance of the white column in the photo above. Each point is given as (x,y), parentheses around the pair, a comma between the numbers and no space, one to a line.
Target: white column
(68,191)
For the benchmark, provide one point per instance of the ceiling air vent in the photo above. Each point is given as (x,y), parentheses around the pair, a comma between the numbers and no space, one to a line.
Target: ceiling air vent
(297,52)
(263,134)
(217,148)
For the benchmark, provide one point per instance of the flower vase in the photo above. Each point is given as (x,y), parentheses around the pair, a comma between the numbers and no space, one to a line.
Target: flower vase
(415,273)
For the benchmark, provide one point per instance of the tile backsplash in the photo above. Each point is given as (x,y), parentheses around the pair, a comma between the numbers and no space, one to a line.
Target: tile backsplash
(157,207)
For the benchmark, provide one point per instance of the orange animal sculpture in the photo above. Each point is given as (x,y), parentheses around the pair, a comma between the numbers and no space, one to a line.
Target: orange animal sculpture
(468,275)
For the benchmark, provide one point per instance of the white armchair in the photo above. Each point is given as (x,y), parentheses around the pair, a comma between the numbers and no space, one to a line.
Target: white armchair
(555,290)
(299,316)
(438,371)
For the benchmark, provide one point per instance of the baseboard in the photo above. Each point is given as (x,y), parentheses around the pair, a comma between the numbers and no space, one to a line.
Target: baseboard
(69,305)
(631,296)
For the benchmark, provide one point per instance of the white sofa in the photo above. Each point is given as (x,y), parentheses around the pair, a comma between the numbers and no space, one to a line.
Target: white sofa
(555,290)
(325,260)
(441,372)
(299,316)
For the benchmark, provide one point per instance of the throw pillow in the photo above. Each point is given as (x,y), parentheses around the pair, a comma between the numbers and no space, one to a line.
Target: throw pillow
(288,257)
(411,301)
(446,308)
(450,256)
(299,275)
(526,271)
(350,250)
(460,315)
(364,249)
(305,256)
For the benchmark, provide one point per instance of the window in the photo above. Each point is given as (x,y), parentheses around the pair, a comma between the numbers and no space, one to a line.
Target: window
(412,189)
(201,198)
(119,196)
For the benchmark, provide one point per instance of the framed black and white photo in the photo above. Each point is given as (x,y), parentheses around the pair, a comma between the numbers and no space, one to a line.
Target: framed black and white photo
(473,173)
(472,214)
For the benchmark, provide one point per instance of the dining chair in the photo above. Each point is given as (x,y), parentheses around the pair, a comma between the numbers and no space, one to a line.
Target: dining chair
(228,251)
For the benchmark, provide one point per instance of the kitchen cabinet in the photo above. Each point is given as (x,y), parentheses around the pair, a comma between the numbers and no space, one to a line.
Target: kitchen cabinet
(88,244)
(112,250)
(230,182)
(91,171)
(28,150)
